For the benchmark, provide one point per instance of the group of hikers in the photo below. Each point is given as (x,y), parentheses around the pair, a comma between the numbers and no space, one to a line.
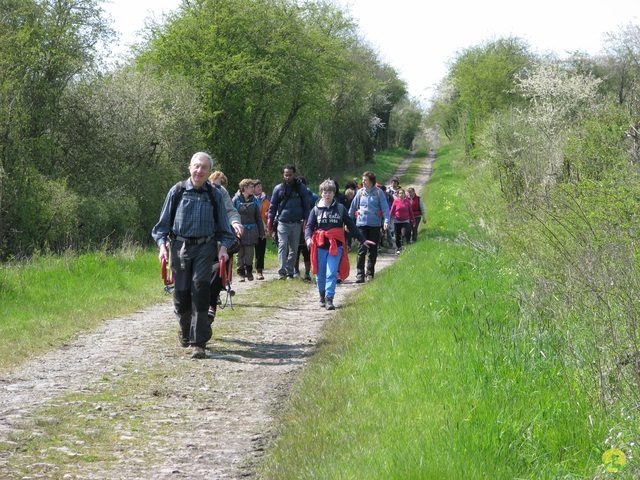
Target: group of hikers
(201,227)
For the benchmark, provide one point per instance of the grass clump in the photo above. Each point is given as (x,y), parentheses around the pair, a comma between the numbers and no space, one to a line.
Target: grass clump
(431,373)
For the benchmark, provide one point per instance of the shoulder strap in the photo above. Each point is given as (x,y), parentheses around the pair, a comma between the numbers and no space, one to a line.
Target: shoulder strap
(176,201)
(209,188)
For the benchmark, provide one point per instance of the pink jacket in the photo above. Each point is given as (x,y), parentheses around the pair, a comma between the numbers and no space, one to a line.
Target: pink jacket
(401,210)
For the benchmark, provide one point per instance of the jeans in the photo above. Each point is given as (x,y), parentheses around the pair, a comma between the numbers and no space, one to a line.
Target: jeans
(288,240)
(327,275)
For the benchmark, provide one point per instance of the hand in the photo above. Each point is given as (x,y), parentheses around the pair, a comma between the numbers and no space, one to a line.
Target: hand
(369,243)
(424,220)
(223,256)
(385,227)
(238,228)
(270,225)
(163,254)
(309,242)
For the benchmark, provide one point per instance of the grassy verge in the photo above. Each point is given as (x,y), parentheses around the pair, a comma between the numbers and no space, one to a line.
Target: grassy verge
(48,300)
(430,374)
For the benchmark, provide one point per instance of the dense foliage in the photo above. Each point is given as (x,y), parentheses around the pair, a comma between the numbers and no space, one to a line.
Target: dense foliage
(87,152)
(556,146)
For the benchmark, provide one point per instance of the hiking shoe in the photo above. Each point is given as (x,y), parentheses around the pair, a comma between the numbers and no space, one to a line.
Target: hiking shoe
(283,277)
(369,278)
(260,276)
(307,277)
(323,302)
(199,352)
(359,278)
(242,279)
(183,339)
(250,277)
(329,301)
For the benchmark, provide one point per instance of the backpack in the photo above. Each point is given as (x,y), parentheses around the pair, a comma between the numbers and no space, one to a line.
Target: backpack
(359,195)
(208,186)
(181,188)
(237,202)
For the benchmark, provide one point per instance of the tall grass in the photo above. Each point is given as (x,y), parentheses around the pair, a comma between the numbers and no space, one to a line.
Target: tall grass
(430,373)
(48,299)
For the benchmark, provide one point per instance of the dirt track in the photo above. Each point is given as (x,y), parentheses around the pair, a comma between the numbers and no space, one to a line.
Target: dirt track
(206,419)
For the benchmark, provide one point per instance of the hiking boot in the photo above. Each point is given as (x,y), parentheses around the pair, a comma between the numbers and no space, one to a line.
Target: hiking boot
(369,278)
(323,302)
(359,278)
(183,339)
(307,277)
(260,276)
(250,276)
(199,352)
(329,301)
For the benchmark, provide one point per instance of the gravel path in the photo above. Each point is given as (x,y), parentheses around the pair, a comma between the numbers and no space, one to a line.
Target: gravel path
(210,419)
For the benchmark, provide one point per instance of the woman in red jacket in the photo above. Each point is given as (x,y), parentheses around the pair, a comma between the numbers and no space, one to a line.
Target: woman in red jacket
(403,218)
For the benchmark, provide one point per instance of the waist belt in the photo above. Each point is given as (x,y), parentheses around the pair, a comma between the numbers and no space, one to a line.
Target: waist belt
(189,241)
(194,240)
(249,226)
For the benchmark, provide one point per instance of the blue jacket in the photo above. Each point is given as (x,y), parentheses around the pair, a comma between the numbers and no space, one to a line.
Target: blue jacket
(370,208)
(290,203)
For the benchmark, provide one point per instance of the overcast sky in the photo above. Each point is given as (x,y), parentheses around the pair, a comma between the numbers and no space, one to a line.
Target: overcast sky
(419,37)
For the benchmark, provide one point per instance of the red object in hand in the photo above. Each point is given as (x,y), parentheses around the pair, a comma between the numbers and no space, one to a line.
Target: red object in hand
(167,277)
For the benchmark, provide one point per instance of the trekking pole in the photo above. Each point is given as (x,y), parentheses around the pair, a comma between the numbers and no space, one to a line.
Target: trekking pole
(226,270)
(166,277)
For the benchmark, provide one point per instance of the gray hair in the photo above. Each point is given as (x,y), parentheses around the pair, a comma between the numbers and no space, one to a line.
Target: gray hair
(328,186)
(202,154)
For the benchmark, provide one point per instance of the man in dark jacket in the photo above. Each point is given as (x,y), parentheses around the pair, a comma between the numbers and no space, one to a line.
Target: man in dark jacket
(289,208)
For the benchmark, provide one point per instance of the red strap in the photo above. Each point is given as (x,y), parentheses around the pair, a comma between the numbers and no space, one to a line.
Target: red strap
(168,279)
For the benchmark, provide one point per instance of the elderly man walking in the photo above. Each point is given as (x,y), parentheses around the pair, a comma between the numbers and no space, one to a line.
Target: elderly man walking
(193,219)
(289,209)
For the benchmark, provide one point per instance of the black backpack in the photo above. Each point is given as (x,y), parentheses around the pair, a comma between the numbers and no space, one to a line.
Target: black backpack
(176,201)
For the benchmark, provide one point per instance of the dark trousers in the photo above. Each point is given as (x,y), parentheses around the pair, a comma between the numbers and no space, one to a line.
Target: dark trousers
(403,232)
(192,288)
(261,250)
(414,229)
(370,254)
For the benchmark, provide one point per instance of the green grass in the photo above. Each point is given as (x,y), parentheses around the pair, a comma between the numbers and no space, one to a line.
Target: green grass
(384,166)
(429,374)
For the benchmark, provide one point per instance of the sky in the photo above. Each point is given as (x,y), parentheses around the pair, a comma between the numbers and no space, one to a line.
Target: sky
(419,38)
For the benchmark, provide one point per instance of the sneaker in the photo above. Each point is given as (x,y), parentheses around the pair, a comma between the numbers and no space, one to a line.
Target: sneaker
(211,314)
(329,301)
(369,278)
(183,339)
(397,252)
(199,352)
(359,279)
(242,279)
(290,277)
(260,276)
(296,273)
